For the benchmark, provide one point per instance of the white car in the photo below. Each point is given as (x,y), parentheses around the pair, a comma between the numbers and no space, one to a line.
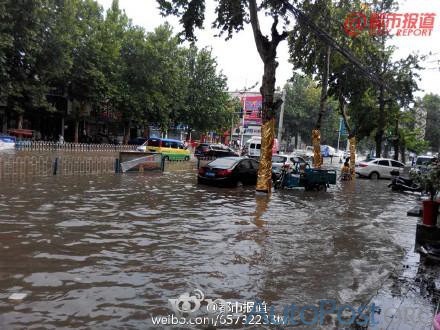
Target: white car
(379,168)
(281,160)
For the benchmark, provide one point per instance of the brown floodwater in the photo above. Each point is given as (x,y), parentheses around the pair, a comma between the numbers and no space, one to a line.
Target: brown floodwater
(107,252)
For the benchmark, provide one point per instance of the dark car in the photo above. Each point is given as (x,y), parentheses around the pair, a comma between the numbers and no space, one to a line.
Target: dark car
(229,171)
(214,150)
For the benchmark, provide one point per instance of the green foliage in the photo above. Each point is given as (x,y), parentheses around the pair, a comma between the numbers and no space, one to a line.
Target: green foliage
(372,109)
(302,107)
(24,34)
(430,105)
(98,60)
(231,15)
(429,179)
(206,101)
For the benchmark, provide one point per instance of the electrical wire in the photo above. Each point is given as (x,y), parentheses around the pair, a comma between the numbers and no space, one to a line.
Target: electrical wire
(302,18)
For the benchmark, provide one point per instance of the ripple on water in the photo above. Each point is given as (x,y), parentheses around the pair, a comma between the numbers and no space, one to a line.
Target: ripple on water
(94,252)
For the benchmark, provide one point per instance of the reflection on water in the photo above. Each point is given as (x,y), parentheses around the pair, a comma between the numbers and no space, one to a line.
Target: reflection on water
(108,252)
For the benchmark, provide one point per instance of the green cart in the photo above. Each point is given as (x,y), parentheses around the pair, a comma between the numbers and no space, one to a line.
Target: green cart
(309,178)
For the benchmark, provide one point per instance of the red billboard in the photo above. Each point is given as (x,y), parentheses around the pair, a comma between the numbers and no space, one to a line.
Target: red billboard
(252,109)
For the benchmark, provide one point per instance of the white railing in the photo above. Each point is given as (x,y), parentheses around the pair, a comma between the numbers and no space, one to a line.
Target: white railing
(67,146)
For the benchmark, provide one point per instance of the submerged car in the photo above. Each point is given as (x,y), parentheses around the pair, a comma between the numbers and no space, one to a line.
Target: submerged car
(229,171)
(285,161)
(379,168)
(424,161)
(214,150)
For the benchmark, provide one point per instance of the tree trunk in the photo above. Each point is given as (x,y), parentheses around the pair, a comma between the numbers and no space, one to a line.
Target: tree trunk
(268,127)
(5,122)
(396,141)
(20,121)
(396,149)
(146,131)
(316,133)
(267,49)
(402,152)
(380,123)
(386,150)
(188,134)
(76,134)
(296,140)
(351,136)
(127,132)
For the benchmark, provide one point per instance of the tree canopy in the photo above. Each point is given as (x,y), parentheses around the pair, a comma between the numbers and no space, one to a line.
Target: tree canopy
(100,60)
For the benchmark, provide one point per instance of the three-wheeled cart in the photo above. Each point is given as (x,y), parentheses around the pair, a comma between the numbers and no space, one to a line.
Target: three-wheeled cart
(309,178)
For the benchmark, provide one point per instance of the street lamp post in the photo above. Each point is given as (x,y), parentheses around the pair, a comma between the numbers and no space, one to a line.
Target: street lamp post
(242,123)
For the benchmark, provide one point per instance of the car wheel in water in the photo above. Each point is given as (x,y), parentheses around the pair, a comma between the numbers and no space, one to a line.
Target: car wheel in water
(374,176)
(186,158)
(322,187)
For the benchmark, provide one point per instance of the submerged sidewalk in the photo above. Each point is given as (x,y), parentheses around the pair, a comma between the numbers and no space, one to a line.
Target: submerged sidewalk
(409,299)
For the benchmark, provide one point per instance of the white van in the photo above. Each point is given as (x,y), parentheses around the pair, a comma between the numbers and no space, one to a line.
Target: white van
(253,146)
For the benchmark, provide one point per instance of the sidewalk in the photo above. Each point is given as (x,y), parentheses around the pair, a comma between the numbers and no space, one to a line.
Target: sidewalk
(409,299)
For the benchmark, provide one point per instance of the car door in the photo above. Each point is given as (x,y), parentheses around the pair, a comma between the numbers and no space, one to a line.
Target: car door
(253,174)
(384,168)
(243,171)
(395,165)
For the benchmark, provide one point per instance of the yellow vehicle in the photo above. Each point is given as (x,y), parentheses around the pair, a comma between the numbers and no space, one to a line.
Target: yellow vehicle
(169,148)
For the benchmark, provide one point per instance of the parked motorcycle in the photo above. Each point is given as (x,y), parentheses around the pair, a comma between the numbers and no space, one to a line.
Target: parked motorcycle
(399,183)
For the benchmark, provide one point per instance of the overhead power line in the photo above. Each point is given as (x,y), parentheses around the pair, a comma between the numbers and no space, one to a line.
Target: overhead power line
(329,40)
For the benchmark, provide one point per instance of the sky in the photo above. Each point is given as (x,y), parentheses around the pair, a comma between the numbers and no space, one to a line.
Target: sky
(238,58)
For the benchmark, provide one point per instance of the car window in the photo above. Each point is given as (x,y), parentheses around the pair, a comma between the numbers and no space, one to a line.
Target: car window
(384,163)
(245,164)
(297,160)
(174,145)
(166,144)
(252,146)
(278,159)
(258,146)
(223,162)
(396,164)
(423,160)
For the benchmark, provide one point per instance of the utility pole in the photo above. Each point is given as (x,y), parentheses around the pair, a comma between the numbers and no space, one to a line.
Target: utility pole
(242,124)
(280,122)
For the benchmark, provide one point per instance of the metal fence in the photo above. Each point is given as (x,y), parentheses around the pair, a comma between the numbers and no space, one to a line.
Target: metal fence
(28,164)
(45,165)
(67,146)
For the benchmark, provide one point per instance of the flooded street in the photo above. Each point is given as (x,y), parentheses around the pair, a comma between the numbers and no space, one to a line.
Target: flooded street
(109,251)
